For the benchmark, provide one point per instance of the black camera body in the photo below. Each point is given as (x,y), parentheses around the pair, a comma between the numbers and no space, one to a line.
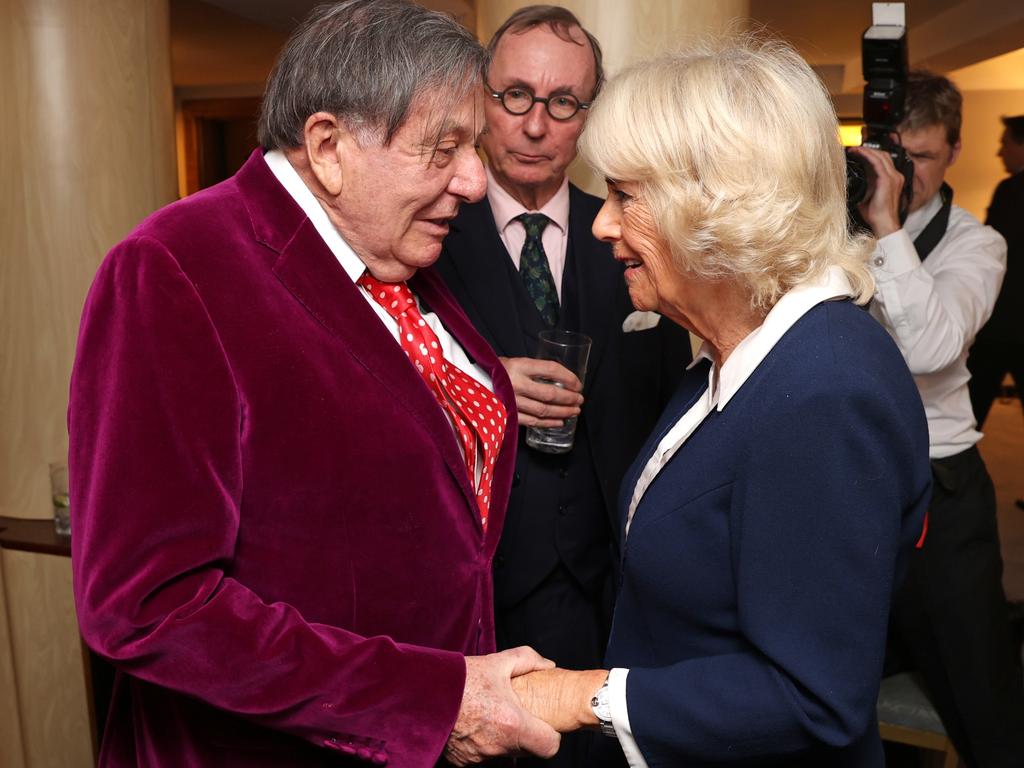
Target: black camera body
(885,65)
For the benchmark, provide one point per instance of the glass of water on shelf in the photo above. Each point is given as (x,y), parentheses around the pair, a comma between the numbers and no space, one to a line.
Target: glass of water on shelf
(61,501)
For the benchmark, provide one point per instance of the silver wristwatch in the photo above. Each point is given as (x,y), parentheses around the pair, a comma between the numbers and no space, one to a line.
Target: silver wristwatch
(602,708)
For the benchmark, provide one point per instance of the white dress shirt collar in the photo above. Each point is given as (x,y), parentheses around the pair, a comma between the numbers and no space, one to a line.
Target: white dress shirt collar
(296,187)
(505,207)
(793,305)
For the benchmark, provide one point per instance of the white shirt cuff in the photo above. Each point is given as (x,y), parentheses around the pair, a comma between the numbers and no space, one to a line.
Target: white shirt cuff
(894,255)
(620,717)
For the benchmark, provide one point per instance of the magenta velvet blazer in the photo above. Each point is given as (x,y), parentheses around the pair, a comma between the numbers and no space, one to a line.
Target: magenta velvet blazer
(275,540)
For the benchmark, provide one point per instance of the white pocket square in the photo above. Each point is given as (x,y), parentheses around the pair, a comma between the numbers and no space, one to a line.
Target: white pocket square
(640,321)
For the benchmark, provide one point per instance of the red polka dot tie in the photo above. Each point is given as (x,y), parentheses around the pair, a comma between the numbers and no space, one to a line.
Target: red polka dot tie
(474,410)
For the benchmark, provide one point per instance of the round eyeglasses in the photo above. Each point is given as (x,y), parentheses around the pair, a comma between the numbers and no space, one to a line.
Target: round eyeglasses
(518,101)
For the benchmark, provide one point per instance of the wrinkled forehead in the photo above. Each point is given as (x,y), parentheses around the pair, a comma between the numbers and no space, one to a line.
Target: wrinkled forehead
(537,56)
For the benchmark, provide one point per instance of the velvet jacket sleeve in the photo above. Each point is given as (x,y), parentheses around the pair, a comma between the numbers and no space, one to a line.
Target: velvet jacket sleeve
(158,484)
(815,522)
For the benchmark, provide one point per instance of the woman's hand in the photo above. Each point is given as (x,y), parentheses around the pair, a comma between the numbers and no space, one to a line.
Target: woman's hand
(561,697)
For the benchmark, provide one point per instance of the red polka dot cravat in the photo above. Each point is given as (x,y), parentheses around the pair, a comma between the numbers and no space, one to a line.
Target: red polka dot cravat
(474,410)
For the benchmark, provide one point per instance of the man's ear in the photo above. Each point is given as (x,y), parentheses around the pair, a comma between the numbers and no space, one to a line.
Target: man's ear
(327,142)
(956,152)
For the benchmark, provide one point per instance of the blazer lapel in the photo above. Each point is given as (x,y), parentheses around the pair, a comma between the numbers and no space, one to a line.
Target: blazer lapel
(306,267)
(692,386)
(479,256)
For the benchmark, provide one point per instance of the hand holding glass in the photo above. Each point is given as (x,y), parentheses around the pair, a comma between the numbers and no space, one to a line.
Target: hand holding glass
(571,350)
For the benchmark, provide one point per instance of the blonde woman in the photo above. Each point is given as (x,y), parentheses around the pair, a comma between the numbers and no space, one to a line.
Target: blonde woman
(768,518)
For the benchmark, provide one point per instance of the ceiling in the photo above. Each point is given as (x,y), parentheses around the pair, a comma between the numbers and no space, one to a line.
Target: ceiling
(217,43)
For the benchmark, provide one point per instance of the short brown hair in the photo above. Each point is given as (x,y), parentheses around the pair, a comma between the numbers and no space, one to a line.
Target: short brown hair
(560,21)
(1015,125)
(932,100)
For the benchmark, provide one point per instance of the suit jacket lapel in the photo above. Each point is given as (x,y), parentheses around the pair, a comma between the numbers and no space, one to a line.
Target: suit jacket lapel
(479,256)
(596,274)
(306,267)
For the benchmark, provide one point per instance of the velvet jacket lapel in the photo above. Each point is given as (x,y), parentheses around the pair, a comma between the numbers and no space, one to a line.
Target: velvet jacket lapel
(306,267)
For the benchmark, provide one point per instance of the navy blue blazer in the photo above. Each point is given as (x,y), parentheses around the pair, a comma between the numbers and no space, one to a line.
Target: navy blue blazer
(760,563)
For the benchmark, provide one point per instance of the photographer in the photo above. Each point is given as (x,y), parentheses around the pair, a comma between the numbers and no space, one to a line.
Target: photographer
(938,276)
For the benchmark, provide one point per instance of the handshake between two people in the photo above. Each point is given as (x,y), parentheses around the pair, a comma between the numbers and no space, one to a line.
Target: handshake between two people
(517,702)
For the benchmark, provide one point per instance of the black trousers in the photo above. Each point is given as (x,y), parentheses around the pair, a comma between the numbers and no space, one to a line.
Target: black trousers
(989,361)
(563,623)
(950,617)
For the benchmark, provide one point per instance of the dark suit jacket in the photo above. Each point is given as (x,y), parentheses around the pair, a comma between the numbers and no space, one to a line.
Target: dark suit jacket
(562,507)
(275,539)
(1006,216)
(760,563)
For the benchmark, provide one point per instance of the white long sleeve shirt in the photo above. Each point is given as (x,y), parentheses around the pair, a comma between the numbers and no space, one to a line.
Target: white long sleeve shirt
(934,309)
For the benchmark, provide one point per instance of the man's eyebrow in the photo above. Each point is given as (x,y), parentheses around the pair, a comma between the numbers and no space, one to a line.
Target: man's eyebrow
(449,128)
(561,88)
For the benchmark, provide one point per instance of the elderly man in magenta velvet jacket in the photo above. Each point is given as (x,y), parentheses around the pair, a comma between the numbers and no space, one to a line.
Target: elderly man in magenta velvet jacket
(288,466)
(771,514)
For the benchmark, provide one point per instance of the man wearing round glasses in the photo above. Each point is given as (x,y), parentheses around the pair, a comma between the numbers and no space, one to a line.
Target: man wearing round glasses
(523,260)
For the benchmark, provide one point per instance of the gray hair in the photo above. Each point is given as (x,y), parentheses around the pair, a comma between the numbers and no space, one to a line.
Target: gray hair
(366,62)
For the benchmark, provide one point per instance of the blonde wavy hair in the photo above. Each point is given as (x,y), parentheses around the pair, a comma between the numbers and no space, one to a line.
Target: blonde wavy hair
(734,147)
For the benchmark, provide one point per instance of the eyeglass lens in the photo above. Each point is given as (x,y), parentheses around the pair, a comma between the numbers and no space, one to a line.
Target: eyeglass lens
(519,101)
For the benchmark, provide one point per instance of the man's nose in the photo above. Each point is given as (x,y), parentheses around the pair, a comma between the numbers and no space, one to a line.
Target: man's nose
(470,181)
(535,122)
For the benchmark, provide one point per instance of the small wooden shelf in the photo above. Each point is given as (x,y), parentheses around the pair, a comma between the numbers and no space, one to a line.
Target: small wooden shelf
(33,536)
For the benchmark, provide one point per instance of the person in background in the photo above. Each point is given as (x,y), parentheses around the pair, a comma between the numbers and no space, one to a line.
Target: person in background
(771,513)
(523,260)
(285,513)
(938,275)
(999,348)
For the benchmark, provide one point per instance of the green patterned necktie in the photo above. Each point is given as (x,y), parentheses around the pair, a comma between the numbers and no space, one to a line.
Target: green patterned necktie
(534,269)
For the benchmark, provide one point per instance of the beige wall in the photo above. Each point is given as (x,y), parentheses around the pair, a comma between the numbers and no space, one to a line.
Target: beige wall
(87,132)
(46,660)
(978,170)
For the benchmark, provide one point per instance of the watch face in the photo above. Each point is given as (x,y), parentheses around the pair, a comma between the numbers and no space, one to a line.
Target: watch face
(601,705)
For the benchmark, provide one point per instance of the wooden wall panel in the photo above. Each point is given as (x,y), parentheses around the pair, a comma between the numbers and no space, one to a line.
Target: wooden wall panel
(11,748)
(86,151)
(46,650)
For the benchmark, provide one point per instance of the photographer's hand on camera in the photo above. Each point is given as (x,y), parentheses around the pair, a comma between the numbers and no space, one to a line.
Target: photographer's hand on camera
(880,209)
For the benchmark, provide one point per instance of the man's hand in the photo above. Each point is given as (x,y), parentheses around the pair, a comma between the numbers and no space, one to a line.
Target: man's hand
(881,210)
(561,697)
(491,720)
(541,404)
